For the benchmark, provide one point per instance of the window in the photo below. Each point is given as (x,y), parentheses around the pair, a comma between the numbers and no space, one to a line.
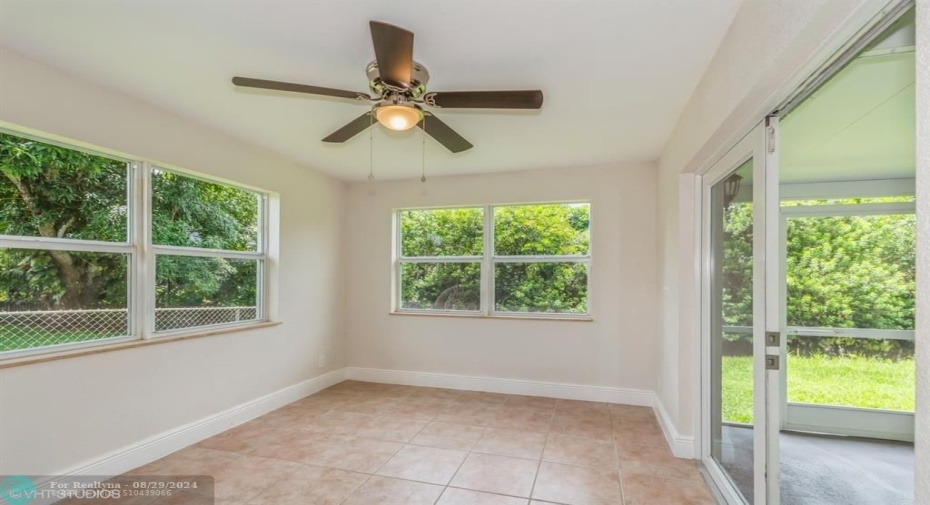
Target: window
(516,260)
(83,262)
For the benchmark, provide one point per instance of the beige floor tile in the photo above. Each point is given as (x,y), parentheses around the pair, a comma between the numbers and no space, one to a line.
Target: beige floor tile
(302,447)
(577,484)
(648,490)
(376,405)
(289,417)
(244,478)
(325,401)
(581,408)
(311,485)
(496,474)
(424,464)
(523,418)
(631,413)
(448,436)
(420,407)
(473,413)
(455,496)
(436,393)
(189,461)
(244,438)
(658,461)
(356,454)
(391,428)
(580,451)
(338,422)
(482,397)
(516,443)
(534,402)
(590,427)
(387,491)
(638,433)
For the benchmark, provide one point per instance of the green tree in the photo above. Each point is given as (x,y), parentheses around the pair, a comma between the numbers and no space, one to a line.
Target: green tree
(521,230)
(843,272)
(55,192)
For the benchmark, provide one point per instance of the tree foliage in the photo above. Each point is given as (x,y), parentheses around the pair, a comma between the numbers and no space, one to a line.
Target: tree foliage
(56,192)
(842,272)
(521,230)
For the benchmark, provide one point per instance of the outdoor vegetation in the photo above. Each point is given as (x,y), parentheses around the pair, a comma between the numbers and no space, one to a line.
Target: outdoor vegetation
(55,192)
(842,272)
(519,286)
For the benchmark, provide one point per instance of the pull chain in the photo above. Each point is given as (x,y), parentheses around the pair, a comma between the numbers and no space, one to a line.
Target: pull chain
(423,177)
(371,146)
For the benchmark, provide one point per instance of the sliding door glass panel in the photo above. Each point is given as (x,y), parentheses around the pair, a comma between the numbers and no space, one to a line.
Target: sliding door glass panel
(731,346)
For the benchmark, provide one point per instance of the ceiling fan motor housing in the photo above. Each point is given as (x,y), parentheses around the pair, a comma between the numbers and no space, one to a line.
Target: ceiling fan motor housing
(418,80)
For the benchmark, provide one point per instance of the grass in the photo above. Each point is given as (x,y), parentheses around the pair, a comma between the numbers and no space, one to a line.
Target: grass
(848,381)
(15,337)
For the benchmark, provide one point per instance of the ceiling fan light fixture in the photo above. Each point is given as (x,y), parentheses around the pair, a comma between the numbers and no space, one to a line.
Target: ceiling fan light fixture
(398,117)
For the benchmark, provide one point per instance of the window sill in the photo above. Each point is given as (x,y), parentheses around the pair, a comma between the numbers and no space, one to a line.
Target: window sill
(577,319)
(86,351)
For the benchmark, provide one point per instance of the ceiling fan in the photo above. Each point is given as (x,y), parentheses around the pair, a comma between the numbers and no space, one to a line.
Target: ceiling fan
(399,86)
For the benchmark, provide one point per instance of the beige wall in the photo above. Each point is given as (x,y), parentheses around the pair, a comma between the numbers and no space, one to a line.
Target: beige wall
(60,415)
(616,350)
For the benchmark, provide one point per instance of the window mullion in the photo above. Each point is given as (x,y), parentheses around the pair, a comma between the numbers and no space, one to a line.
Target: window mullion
(63,244)
(205,253)
(145,308)
(487,278)
(442,259)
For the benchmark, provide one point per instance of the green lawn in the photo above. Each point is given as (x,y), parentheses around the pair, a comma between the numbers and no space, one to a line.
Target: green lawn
(849,381)
(15,337)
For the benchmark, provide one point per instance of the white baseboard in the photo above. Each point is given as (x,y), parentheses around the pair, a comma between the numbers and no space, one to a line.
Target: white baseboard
(681,446)
(163,444)
(508,386)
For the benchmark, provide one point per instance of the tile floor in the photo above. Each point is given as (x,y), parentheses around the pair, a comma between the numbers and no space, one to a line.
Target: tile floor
(361,443)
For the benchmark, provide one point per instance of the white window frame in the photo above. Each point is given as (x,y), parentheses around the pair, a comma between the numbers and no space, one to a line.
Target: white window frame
(142,253)
(488,260)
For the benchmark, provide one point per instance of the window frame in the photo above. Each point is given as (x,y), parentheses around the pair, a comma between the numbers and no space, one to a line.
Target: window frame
(488,261)
(141,254)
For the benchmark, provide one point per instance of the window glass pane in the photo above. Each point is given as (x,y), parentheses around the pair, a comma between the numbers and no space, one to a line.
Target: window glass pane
(441,286)
(58,297)
(56,192)
(551,229)
(851,271)
(194,213)
(442,232)
(193,291)
(541,287)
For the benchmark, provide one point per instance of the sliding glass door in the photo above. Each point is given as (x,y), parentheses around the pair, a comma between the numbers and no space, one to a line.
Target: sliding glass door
(733,333)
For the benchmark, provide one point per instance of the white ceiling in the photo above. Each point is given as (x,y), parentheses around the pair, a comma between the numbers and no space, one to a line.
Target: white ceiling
(615,75)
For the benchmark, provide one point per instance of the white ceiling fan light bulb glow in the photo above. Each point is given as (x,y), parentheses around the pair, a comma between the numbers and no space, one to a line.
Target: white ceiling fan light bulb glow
(398,117)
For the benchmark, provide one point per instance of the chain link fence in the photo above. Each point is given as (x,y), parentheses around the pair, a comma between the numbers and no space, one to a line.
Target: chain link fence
(173,319)
(38,328)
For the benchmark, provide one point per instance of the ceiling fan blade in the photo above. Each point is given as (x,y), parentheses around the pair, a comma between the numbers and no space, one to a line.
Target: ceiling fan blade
(248,82)
(356,126)
(523,99)
(444,134)
(394,53)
